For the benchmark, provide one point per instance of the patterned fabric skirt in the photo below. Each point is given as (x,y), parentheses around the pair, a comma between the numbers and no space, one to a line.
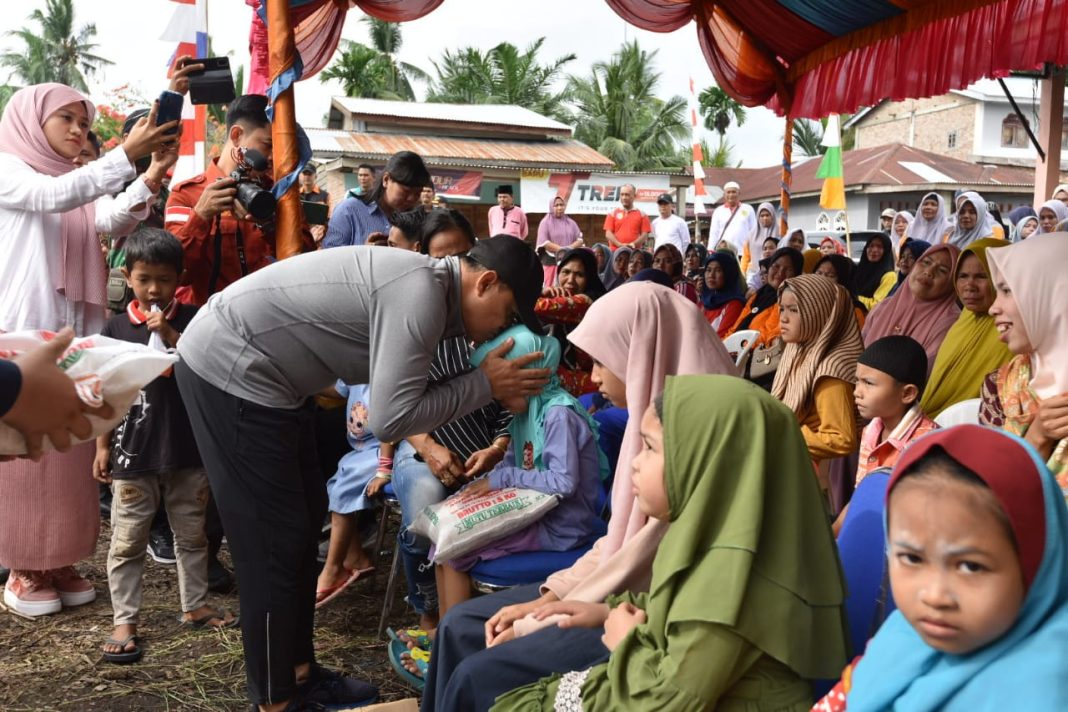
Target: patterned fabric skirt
(49,510)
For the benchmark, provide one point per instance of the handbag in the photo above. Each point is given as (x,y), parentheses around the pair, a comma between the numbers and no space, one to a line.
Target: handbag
(764,362)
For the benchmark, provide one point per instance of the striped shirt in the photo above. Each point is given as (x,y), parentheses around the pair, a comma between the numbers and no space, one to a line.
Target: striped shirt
(477,430)
(353,221)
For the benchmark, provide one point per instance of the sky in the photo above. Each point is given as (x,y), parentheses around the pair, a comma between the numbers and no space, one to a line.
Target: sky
(589,29)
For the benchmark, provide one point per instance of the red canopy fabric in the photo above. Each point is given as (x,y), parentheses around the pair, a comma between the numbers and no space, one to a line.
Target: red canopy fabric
(814,57)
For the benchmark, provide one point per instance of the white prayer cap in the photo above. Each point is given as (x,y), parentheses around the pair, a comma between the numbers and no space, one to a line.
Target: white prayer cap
(731,184)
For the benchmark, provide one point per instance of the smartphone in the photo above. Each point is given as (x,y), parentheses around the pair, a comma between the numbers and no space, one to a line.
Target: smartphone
(170,108)
(214,84)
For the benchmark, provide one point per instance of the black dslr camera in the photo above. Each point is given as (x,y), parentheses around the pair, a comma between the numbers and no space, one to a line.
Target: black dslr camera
(251,193)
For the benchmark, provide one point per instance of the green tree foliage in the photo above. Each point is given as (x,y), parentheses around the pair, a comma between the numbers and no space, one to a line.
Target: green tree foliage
(386,40)
(719,110)
(617,112)
(54,51)
(503,75)
(362,71)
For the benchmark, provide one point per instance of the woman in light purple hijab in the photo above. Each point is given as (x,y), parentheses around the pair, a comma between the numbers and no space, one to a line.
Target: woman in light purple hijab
(556,232)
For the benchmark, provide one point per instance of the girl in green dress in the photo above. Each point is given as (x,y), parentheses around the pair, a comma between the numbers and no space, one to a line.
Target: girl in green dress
(745,604)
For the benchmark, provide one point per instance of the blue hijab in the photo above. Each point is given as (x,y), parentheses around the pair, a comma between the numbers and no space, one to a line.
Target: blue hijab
(529,427)
(1024,669)
(733,286)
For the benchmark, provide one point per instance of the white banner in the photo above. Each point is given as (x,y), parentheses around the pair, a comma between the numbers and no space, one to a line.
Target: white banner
(589,193)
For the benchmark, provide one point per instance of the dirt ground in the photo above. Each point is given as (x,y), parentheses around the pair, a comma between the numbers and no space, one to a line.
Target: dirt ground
(54,662)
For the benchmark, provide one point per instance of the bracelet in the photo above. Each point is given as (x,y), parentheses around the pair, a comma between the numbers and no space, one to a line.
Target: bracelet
(498,446)
(383,475)
(385,463)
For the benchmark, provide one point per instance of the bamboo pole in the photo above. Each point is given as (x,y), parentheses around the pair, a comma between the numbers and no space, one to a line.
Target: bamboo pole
(282,53)
(786,182)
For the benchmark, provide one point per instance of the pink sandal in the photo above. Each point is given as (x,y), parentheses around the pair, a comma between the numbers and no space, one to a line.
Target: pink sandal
(325,595)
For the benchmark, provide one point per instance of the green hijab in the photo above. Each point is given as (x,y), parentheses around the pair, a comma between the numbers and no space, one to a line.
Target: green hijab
(528,429)
(972,347)
(749,546)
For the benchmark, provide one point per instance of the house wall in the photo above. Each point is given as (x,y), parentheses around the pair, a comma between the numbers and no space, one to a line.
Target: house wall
(922,123)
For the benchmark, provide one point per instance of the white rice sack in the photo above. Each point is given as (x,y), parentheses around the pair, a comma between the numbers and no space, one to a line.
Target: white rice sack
(104,370)
(463,523)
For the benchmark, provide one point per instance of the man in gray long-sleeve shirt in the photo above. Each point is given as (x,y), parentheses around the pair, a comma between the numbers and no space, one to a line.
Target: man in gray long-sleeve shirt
(256,352)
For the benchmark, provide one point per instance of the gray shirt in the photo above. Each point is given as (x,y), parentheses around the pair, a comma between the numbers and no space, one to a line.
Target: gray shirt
(359,314)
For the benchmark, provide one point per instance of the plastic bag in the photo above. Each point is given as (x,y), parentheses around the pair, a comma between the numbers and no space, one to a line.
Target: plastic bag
(463,523)
(103,370)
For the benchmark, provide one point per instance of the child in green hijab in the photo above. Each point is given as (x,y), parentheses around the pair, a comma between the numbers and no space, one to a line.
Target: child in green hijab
(746,598)
(554,451)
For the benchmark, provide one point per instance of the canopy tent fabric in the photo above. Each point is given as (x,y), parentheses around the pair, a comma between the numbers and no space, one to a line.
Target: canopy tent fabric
(816,57)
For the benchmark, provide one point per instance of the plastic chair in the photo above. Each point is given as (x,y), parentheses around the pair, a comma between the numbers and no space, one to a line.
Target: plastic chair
(740,345)
(963,413)
(527,567)
(862,549)
(390,505)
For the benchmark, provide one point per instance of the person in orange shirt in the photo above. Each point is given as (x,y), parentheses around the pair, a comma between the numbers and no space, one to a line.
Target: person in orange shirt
(626,225)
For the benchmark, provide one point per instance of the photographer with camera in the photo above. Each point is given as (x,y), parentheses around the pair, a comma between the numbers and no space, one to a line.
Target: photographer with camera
(223,217)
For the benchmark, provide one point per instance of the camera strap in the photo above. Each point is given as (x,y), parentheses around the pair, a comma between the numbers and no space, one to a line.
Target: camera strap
(216,266)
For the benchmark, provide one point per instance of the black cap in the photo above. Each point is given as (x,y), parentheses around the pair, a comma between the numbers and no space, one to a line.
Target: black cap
(900,357)
(131,120)
(518,266)
(665,198)
(505,189)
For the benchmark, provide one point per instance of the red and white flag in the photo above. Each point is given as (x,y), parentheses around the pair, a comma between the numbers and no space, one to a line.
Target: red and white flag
(188,28)
(699,193)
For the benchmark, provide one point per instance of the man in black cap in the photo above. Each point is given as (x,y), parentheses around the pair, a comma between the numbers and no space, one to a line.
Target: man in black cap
(669,228)
(259,350)
(507,218)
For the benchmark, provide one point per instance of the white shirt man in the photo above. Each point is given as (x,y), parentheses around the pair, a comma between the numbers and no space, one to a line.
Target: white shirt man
(733,222)
(669,228)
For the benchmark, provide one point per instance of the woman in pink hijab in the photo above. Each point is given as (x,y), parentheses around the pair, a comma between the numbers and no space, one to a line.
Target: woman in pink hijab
(925,308)
(53,275)
(1028,396)
(637,335)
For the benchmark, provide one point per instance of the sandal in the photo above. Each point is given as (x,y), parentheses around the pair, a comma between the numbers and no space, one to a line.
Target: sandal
(325,595)
(206,621)
(397,648)
(418,638)
(126,656)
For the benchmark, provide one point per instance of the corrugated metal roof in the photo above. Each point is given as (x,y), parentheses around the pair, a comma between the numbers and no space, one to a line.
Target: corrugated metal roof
(472,152)
(892,165)
(497,114)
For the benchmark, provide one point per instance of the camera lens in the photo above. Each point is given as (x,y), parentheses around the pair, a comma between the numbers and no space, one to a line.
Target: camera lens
(258,202)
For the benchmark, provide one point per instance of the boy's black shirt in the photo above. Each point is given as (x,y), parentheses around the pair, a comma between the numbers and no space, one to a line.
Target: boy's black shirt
(155,436)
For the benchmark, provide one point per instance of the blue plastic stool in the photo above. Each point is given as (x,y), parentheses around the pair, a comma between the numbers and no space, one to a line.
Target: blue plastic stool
(527,567)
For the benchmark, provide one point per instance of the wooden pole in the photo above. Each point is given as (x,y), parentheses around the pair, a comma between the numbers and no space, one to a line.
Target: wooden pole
(1050,125)
(786,182)
(282,52)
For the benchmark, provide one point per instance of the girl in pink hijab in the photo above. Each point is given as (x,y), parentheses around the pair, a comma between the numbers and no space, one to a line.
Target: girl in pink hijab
(53,275)
(925,308)
(1028,396)
(637,335)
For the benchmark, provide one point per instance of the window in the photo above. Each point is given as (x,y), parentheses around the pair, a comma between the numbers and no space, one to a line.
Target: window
(1013,134)
(951,139)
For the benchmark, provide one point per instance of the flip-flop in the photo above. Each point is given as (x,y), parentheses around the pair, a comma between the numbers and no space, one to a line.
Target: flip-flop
(127,656)
(419,637)
(325,595)
(205,621)
(421,658)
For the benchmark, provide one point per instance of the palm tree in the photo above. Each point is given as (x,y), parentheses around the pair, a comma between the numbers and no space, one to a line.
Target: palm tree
(362,71)
(55,52)
(503,75)
(386,40)
(618,113)
(719,109)
(807,137)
